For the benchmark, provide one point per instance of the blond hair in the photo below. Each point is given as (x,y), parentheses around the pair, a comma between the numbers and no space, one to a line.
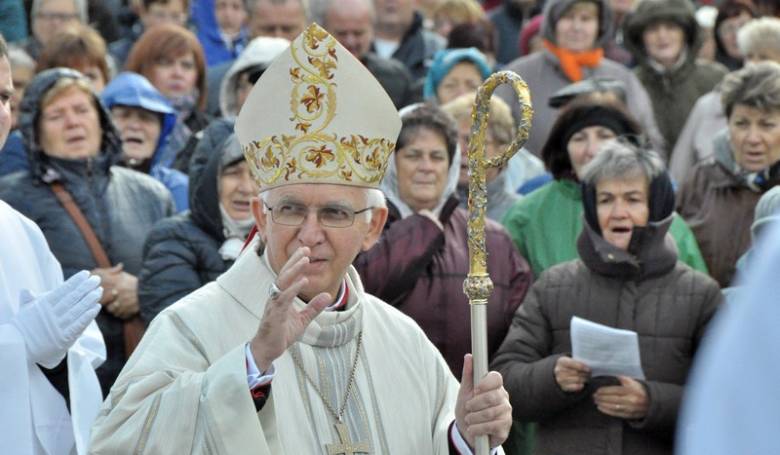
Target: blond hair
(501,124)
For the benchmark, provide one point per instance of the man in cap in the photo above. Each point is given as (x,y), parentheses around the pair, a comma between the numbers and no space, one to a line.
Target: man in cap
(285,353)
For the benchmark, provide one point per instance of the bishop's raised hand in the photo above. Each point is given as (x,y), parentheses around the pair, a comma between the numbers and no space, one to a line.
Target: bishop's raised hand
(282,324)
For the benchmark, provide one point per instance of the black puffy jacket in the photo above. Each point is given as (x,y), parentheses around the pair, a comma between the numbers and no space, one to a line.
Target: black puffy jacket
(181,253)
(120,204)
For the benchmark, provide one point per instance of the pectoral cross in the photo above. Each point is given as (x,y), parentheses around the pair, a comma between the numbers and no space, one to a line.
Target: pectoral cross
(346,447)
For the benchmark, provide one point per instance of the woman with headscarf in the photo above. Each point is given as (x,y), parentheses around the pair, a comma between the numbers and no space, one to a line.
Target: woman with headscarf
(574,33)
(665,38)
(627,277)
(720,194)
(455,72)
(545,224)
(184,252)
(71,141)
(420,262)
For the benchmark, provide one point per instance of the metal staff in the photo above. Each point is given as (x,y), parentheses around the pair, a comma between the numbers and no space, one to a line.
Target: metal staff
(478,285)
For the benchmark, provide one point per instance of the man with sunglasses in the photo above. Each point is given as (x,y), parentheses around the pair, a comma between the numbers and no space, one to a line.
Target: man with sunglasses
(285,353)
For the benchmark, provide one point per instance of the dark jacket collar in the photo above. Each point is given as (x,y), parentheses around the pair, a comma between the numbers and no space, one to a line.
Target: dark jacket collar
(651,252)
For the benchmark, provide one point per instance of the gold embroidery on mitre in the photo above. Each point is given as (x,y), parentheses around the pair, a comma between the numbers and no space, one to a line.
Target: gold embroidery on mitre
(314,154)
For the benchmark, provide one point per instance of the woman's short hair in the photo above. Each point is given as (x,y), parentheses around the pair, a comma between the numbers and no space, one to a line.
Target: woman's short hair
(427,116)
(77,46)
(501,124)
(759,34)
(66,84)
(756,86)
(619,159)
(459,11)
(167,41)
(576,115)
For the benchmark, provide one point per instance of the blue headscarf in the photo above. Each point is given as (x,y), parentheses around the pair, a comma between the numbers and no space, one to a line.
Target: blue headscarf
(443,62)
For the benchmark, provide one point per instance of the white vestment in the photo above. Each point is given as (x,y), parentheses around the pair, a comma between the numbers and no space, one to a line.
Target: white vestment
(184,390)
(34,418)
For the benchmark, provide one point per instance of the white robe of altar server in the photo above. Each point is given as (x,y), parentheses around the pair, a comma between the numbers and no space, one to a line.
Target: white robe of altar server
(34,418)
(184,390)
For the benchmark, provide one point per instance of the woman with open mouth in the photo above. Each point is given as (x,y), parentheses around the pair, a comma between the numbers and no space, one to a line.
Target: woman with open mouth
(628,277)
(145,120)
(545,223)
(720,195)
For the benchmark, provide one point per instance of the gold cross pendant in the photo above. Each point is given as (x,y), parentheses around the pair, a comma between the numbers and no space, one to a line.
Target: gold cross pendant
(346,447)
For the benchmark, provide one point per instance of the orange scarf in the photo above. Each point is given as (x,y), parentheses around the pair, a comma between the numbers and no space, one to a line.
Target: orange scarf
(572,62)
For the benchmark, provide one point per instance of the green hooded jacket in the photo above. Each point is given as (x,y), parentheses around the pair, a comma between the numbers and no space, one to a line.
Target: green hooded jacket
(545,224)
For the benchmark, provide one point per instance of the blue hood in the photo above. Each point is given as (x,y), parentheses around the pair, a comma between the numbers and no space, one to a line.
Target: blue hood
(134,90)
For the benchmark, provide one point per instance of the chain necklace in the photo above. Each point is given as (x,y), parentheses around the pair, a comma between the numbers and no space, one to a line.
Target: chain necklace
(337,415)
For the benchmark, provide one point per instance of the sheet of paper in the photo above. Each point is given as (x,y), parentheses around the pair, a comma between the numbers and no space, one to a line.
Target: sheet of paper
(606,350)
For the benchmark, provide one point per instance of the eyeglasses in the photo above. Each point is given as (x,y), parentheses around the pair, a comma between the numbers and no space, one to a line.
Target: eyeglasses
(59,17)
(290,214)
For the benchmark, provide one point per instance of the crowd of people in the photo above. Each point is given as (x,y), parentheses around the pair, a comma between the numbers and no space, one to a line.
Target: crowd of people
(134,141)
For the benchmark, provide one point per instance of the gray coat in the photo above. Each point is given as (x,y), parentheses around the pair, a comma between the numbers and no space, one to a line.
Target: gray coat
(121,205)
(542,72)
(665,301)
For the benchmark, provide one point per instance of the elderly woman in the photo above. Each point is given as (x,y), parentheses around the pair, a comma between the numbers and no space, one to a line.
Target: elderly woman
(80,47)
(499,134)
(455,72)
(759,40)
(145,120)
(665,38)
(70,140)
(545,224)
(627,277)
(574,33)
(421,260)
(184,252)
(172,59)
(719,196)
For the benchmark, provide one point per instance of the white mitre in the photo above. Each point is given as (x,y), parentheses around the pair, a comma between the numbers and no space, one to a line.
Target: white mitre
(317,115)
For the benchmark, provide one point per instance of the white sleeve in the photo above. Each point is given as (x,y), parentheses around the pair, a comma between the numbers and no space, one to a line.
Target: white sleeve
(254,377)
(461,445)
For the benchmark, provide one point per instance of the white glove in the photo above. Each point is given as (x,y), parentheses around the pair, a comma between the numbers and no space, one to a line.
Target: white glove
(52,322)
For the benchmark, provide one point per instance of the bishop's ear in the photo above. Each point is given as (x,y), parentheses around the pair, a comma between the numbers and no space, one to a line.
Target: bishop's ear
(261,217)
(375,227)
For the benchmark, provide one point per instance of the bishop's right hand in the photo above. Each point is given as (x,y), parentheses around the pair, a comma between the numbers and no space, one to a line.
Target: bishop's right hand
(281,324)
(52,322)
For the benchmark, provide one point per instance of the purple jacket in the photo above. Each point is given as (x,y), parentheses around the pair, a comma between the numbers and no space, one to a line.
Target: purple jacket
(420,269)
